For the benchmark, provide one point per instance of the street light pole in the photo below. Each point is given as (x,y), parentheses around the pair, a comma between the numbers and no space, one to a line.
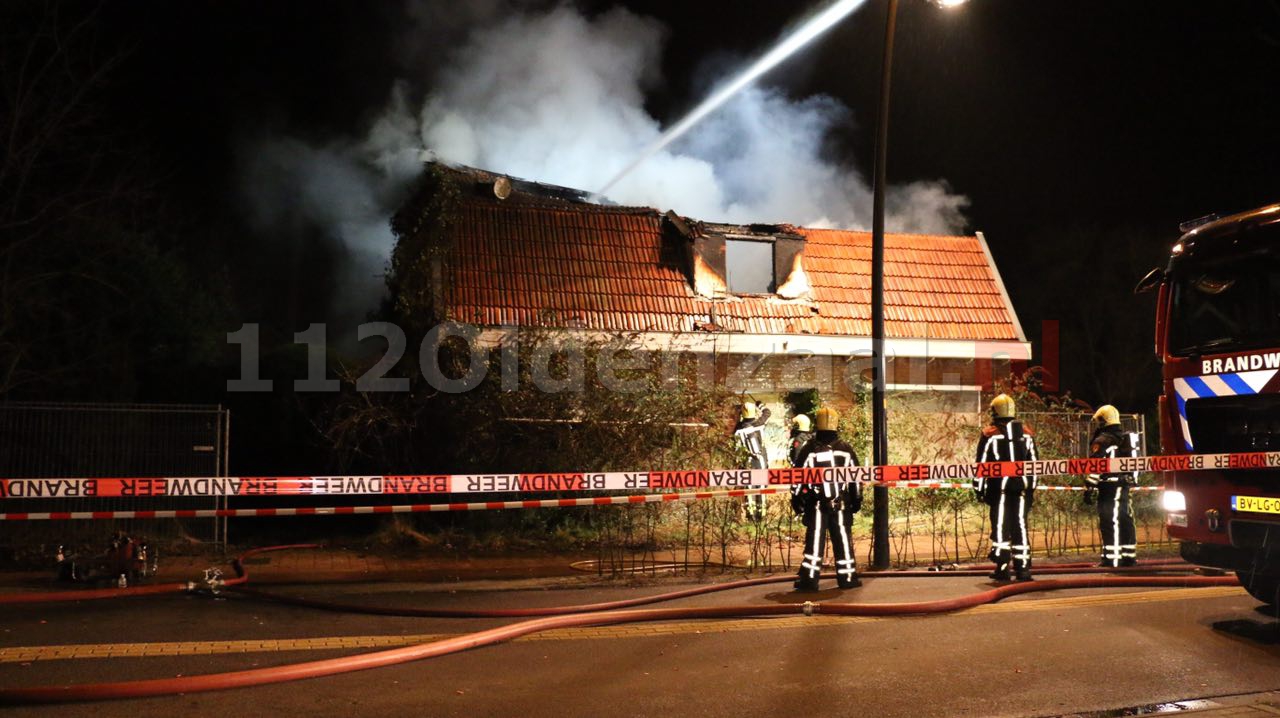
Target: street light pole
(879,426)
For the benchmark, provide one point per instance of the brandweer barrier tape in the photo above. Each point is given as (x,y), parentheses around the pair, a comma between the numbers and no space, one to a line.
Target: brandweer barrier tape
(440,484)
(389,509)
(454,506)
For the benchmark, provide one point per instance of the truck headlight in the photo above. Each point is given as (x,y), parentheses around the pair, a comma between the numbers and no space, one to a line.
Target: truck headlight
(1173,501)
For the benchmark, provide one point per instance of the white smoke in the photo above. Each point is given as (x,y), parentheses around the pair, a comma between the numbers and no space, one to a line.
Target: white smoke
(558,97)
(342,193)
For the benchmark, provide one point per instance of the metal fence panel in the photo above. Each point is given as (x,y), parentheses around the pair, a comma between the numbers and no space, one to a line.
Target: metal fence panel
(1074,431)
(54,440)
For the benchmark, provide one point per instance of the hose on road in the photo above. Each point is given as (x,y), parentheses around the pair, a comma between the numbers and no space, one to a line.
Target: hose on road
(1153,566)
(347,664)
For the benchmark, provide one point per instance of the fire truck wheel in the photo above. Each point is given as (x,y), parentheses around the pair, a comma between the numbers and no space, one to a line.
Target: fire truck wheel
(1262,587)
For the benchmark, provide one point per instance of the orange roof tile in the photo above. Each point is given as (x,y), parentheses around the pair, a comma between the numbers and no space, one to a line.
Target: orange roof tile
(603,267)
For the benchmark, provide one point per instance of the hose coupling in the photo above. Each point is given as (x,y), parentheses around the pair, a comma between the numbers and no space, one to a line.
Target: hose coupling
(809,607)
(213,580)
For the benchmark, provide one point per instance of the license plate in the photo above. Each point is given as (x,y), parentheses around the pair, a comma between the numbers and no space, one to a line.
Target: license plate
(1256,504)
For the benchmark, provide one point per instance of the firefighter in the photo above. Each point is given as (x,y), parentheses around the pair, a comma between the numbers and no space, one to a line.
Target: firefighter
(1111,491)
(828,507)
(800,438)
(752,417)
(1010,497)
(800,435)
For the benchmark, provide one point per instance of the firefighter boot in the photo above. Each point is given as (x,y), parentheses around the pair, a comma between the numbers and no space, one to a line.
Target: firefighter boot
(1001,559)
(851,582)
(806,585)
(1023,572)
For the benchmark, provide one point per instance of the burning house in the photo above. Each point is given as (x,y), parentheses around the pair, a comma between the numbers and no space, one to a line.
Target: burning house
(777,308)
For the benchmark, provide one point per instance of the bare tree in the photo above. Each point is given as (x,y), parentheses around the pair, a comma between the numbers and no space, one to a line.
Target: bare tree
(88,293)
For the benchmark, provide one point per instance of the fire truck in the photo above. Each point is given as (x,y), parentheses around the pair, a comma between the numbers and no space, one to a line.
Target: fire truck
(1218,335)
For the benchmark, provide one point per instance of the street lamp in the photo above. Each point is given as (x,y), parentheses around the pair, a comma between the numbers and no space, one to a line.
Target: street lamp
(879,426)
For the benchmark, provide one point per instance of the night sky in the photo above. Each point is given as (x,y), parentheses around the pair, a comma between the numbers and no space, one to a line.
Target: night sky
(1041,112)
(1056,119)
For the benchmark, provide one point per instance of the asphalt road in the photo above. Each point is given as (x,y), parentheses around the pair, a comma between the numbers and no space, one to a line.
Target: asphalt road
(1050,653)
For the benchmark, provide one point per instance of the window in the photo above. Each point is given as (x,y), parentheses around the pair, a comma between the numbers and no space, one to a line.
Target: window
(1225,304)
(749,266)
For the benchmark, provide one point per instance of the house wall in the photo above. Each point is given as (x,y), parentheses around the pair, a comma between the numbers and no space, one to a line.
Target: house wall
(931,392)
(937,386)
(839,376)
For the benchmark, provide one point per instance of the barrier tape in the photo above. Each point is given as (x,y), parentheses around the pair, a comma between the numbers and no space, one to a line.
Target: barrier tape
(440,484)
(1040,487)
(455,506)
(389,509)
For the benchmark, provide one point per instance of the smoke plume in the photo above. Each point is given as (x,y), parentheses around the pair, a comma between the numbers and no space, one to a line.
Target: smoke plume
(558,97)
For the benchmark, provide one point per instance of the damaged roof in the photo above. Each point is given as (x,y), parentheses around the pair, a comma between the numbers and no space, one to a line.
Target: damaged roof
(549,259)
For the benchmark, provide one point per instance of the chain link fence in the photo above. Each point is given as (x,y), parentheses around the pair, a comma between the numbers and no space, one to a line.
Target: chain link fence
(927,526)
(59,440)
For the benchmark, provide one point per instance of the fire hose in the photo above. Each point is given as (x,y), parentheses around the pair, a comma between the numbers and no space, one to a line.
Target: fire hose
(586,615)
(238,585)
(1153,566)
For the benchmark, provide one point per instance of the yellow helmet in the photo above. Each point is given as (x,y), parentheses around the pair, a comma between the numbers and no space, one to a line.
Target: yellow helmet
(1106,415)
(828,419)
(800,422)
(1002,407)
(748,410)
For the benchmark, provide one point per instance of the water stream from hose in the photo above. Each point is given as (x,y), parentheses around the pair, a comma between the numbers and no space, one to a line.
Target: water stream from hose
(785,48)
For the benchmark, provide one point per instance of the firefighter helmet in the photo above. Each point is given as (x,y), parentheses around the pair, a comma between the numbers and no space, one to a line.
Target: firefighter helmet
(1106,415)
(748,410)
(801,422)
(827,419)
(1002,407)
